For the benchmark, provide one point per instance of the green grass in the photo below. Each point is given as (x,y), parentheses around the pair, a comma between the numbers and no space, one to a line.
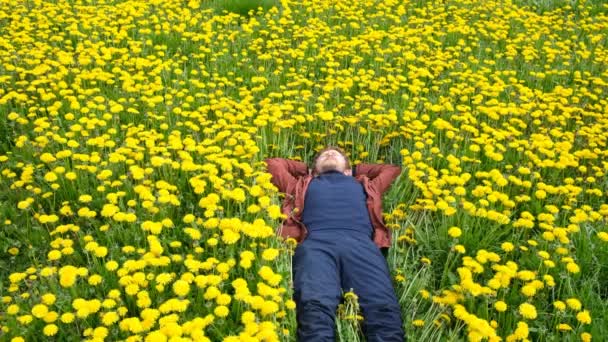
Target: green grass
(198,65)
(242,7)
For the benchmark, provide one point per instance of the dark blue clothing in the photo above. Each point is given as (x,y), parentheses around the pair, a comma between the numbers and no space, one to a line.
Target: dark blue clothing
(329,262)
(334,200)
(336,258)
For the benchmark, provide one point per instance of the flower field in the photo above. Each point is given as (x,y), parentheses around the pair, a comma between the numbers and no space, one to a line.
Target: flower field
(135,204)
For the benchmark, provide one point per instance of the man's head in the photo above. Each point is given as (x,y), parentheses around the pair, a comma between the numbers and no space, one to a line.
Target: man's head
(330,158)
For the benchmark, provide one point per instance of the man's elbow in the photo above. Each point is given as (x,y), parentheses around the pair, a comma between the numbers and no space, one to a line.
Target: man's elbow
(276,167)
(272,164)
(395,171)
(392,173)
(270,161)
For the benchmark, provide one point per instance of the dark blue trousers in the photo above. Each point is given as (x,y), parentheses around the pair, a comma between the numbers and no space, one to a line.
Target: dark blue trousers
(328,262)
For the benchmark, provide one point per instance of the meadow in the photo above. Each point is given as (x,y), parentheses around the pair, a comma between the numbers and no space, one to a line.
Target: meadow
(135,204)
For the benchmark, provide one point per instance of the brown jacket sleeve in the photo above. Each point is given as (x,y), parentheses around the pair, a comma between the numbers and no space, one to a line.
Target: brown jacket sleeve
(285,171)
(380,175)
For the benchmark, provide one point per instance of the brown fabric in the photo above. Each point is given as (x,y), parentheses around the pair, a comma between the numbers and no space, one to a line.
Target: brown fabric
(292,178)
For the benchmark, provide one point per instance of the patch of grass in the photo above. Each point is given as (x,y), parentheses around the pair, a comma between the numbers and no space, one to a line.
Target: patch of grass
(542,6)
(243,7)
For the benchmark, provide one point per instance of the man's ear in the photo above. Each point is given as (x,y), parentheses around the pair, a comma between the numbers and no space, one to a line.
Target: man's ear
(348,172)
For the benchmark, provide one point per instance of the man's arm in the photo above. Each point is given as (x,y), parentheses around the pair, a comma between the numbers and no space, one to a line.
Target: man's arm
(285,171)
(381,175)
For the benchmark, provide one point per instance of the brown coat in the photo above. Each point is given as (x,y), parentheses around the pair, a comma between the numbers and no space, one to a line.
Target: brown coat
(292,178)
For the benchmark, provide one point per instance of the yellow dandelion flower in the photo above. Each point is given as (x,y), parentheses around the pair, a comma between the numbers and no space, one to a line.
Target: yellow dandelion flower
(270,254)
(418,323)
(50,330)
(269,307)
(67,317)
(500,306)
(181,288)
(12,309)
(574,304)
(221,311)
(454,232)
(460,249)
(48,298)
(39,310)
(584,317)
(528,311)
(573,267)
(507,246)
